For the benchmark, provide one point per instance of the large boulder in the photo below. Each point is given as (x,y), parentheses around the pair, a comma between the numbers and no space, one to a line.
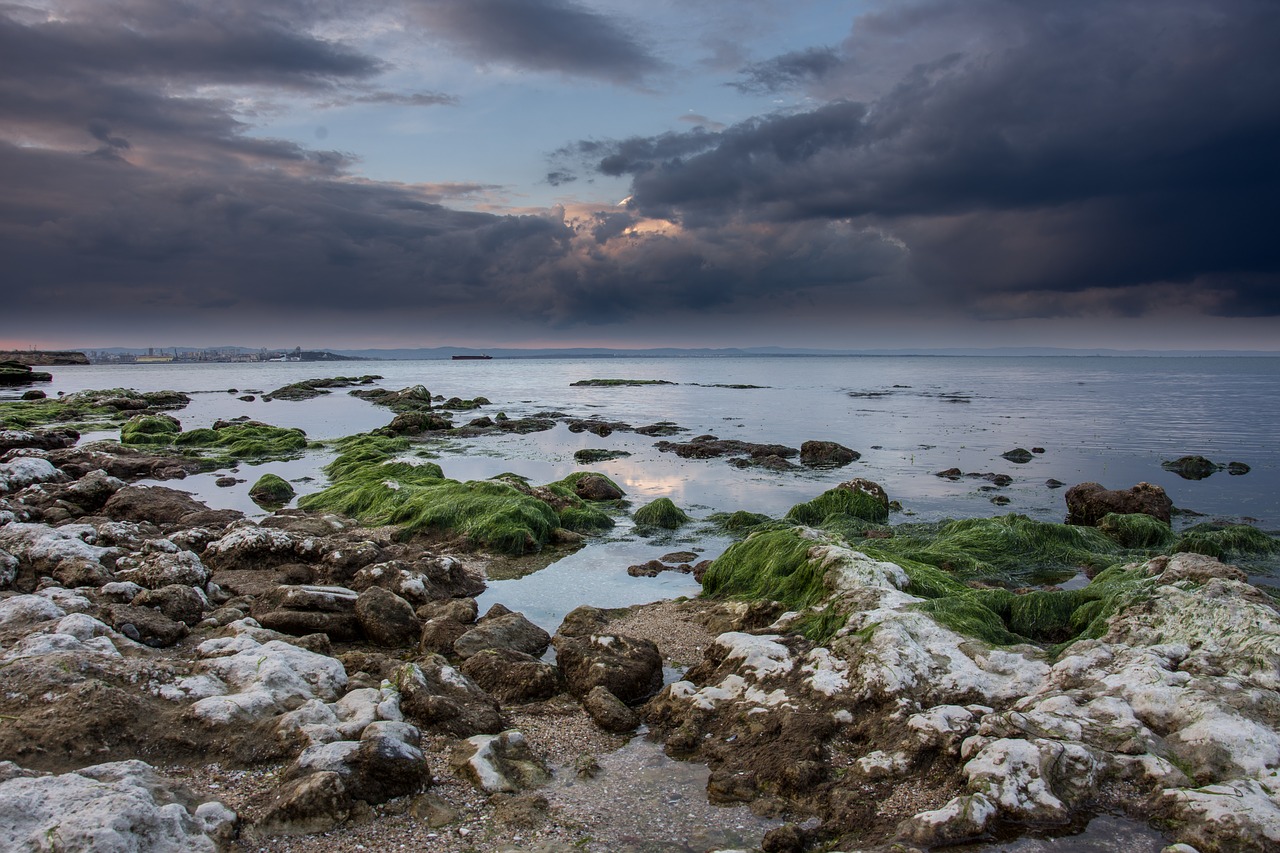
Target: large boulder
(387,619)
(511,676)
(1088,503)
(594,487)
(434,695)
(631,669)
(307,609)
(157,504)
(502,629)
(500,763)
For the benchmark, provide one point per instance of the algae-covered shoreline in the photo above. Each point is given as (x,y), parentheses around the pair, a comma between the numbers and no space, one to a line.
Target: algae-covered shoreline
(1009,671)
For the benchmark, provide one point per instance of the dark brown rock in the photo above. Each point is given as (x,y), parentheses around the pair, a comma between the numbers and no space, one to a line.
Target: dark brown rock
(593,487)
(180,603)
(157,504)
(511,676)
(144,625)
(609,712)
(631,669)
(503,630)
(387,619)
(1087,503)
(826,454)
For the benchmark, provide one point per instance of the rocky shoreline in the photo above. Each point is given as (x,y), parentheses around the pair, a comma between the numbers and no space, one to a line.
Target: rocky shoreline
(321,678)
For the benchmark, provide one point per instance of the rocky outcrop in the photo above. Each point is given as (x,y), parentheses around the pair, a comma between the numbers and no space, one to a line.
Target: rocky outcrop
(1088,503)
(499,763)
(125,806)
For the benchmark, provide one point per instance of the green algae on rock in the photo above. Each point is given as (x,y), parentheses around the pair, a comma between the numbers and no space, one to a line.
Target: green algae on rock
(504,514)
(107,406)
(150,429)
(271,490)
(661,513)
(856,499)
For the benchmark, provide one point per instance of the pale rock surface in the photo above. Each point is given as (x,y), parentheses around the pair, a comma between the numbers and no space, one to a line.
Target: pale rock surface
(123,806)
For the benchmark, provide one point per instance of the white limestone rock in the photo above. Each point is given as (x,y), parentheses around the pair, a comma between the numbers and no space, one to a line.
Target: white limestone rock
(24,471)
(123,807)
(264,679)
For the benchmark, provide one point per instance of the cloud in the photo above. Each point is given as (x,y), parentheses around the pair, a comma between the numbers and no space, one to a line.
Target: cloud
(540,35)
(787,71)
(1113,145)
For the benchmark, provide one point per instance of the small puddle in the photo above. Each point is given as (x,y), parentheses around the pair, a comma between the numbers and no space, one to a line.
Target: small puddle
(641,801)
(1103,834)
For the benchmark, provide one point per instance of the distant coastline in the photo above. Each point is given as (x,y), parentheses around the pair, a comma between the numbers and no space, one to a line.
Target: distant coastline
(187,355)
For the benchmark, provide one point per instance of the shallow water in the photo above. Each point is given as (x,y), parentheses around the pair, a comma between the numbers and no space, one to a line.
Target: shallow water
(1110,420)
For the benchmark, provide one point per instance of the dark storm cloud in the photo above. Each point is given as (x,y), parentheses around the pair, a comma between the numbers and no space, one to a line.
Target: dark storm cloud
(541,35)
(787,71)
(1052,148)
(206,42)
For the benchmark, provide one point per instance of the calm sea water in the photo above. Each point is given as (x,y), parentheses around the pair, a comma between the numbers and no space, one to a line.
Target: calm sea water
(1110,420)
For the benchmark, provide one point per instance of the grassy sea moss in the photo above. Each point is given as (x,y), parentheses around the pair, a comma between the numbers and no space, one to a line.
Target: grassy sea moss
(661,513)
(839,502)
(505,515)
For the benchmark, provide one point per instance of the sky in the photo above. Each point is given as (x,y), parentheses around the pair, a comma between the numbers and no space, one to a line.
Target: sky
(690,173)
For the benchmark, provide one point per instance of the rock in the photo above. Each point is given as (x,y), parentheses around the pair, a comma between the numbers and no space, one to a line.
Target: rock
(1191,467)
(157,504)
(420,581)
(594,487)
(156,566)
(499,763)
(263,679)
(629,668)
(609,712)
(40,439)
(313,803)
(122,806)
(309,609)
(1235,469)
(787,838)
(511,676)
(144,625)
(178,602)
(387,619)
(434,695)
(93,490)
(826,454)
(583,621)
(34,394)
(19,473)
(249,546)
(438,635)
(504,630)
(271,490)
(1088,503)
(1019,455)
(1198,568)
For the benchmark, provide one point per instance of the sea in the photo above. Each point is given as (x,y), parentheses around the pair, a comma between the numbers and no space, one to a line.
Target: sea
(1111,420)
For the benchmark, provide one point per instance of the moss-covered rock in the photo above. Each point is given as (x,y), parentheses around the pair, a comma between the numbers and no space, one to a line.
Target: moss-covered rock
(774,565)
(1011,549)
(738,522)
(150,430)
(847,499)
(505,515)
(252,440)
(271,490)
(1234,541)
(589,455)
(661,513)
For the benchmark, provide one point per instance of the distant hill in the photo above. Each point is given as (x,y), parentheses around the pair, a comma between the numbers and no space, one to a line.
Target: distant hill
(44,358)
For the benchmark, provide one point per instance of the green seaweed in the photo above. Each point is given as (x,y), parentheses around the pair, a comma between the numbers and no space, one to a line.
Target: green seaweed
(271,490)
(249,440)
(1236,541)
(1010,549)
(110,405)
(1136,530)
(150,430)
(837,503)
(585,519)
(369,483)
(773,565)
(738,522)
(661,513)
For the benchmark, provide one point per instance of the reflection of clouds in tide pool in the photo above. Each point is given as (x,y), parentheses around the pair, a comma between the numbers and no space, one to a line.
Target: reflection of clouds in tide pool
(597,575)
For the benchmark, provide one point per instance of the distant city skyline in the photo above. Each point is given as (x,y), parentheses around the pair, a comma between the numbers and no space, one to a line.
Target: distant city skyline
(561,173)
